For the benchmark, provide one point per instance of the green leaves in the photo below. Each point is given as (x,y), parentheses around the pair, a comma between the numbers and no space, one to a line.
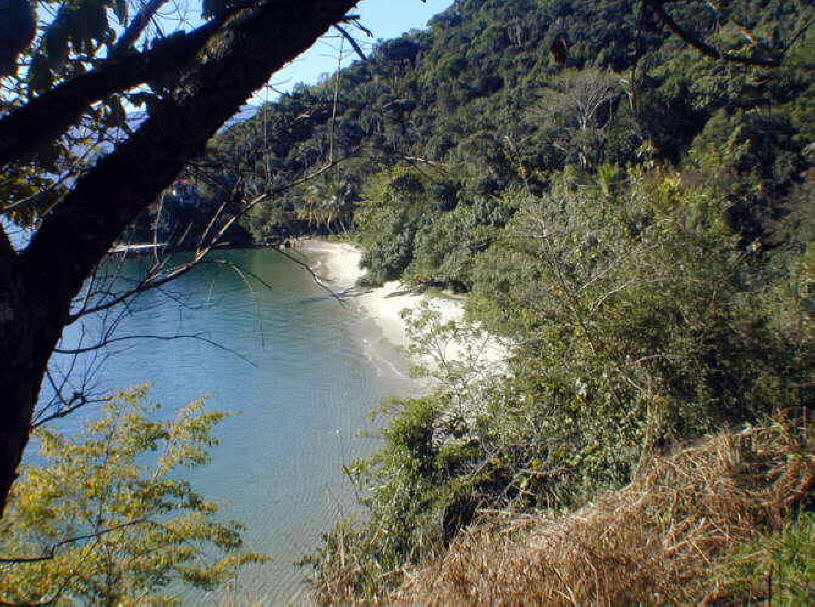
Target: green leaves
(636,221)
(111,517)
(783,559)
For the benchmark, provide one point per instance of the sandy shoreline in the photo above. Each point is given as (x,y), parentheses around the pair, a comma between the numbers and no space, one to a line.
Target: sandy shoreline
(337,264)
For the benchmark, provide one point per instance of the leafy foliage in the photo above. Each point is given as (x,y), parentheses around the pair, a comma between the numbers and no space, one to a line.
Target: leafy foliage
(783,560)
(107,517)
(476,111)
(637,320)
(719,521)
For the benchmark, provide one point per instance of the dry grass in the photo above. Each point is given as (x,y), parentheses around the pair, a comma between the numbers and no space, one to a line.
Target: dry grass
(667,538)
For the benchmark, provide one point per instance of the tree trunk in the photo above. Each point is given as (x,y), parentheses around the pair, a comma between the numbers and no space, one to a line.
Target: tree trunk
(30,326)
(38,285)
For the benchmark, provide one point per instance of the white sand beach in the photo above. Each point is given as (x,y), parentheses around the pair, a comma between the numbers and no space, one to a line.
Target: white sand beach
(338,265)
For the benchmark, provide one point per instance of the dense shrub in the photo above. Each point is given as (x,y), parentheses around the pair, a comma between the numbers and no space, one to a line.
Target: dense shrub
(637,320)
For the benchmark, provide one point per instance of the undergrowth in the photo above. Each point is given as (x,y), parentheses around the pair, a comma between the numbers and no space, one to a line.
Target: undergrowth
(724,521)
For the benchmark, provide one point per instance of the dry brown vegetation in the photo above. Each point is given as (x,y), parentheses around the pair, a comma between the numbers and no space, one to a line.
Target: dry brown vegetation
(675,535)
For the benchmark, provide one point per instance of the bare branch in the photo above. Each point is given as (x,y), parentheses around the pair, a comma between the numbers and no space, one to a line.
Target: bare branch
(155,279)
(314,275)
(354,20)
(66,411)
(113,340)
(78,400)
(243,272)
(152,281)
(354,44)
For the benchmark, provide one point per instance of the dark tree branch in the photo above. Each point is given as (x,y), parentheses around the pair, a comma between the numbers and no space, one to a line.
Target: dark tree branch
(149,283)
(354,20)
(58,390)
(48,116)
(252,44)
(354,44)
(314,275)
(137,26)
(68,408)
(114,340)
(242,272)
(154,280)
(39,285)
(64,406)
(709,50)
(50,552)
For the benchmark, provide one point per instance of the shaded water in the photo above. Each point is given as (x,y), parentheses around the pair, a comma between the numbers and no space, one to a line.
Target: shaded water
(317,369)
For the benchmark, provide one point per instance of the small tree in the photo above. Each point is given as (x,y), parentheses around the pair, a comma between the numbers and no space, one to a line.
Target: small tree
(107,519)
(583,104)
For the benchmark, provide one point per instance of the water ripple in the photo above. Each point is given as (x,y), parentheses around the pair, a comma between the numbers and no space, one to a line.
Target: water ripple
(319,368)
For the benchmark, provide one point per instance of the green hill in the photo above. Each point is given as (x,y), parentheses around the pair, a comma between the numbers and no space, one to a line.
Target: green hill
(635,215)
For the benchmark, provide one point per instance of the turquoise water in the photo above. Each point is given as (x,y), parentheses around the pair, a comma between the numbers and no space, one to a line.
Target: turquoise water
(317,368)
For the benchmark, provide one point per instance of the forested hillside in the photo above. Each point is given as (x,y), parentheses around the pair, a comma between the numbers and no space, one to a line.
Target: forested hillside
(496,97)
(635,215)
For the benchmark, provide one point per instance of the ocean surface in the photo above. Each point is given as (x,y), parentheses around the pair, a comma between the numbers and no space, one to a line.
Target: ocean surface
(303,371)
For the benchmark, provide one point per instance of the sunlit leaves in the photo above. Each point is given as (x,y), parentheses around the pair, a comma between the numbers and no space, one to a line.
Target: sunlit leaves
(113,516)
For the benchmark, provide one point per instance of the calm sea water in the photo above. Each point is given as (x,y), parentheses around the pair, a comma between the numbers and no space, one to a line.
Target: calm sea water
(317,368)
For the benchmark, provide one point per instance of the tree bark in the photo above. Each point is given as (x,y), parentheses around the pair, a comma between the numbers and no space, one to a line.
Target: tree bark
(26,340)
(52,113)
(38,285)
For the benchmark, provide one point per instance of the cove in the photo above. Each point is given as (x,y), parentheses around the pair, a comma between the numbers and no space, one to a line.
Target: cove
(302,370)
